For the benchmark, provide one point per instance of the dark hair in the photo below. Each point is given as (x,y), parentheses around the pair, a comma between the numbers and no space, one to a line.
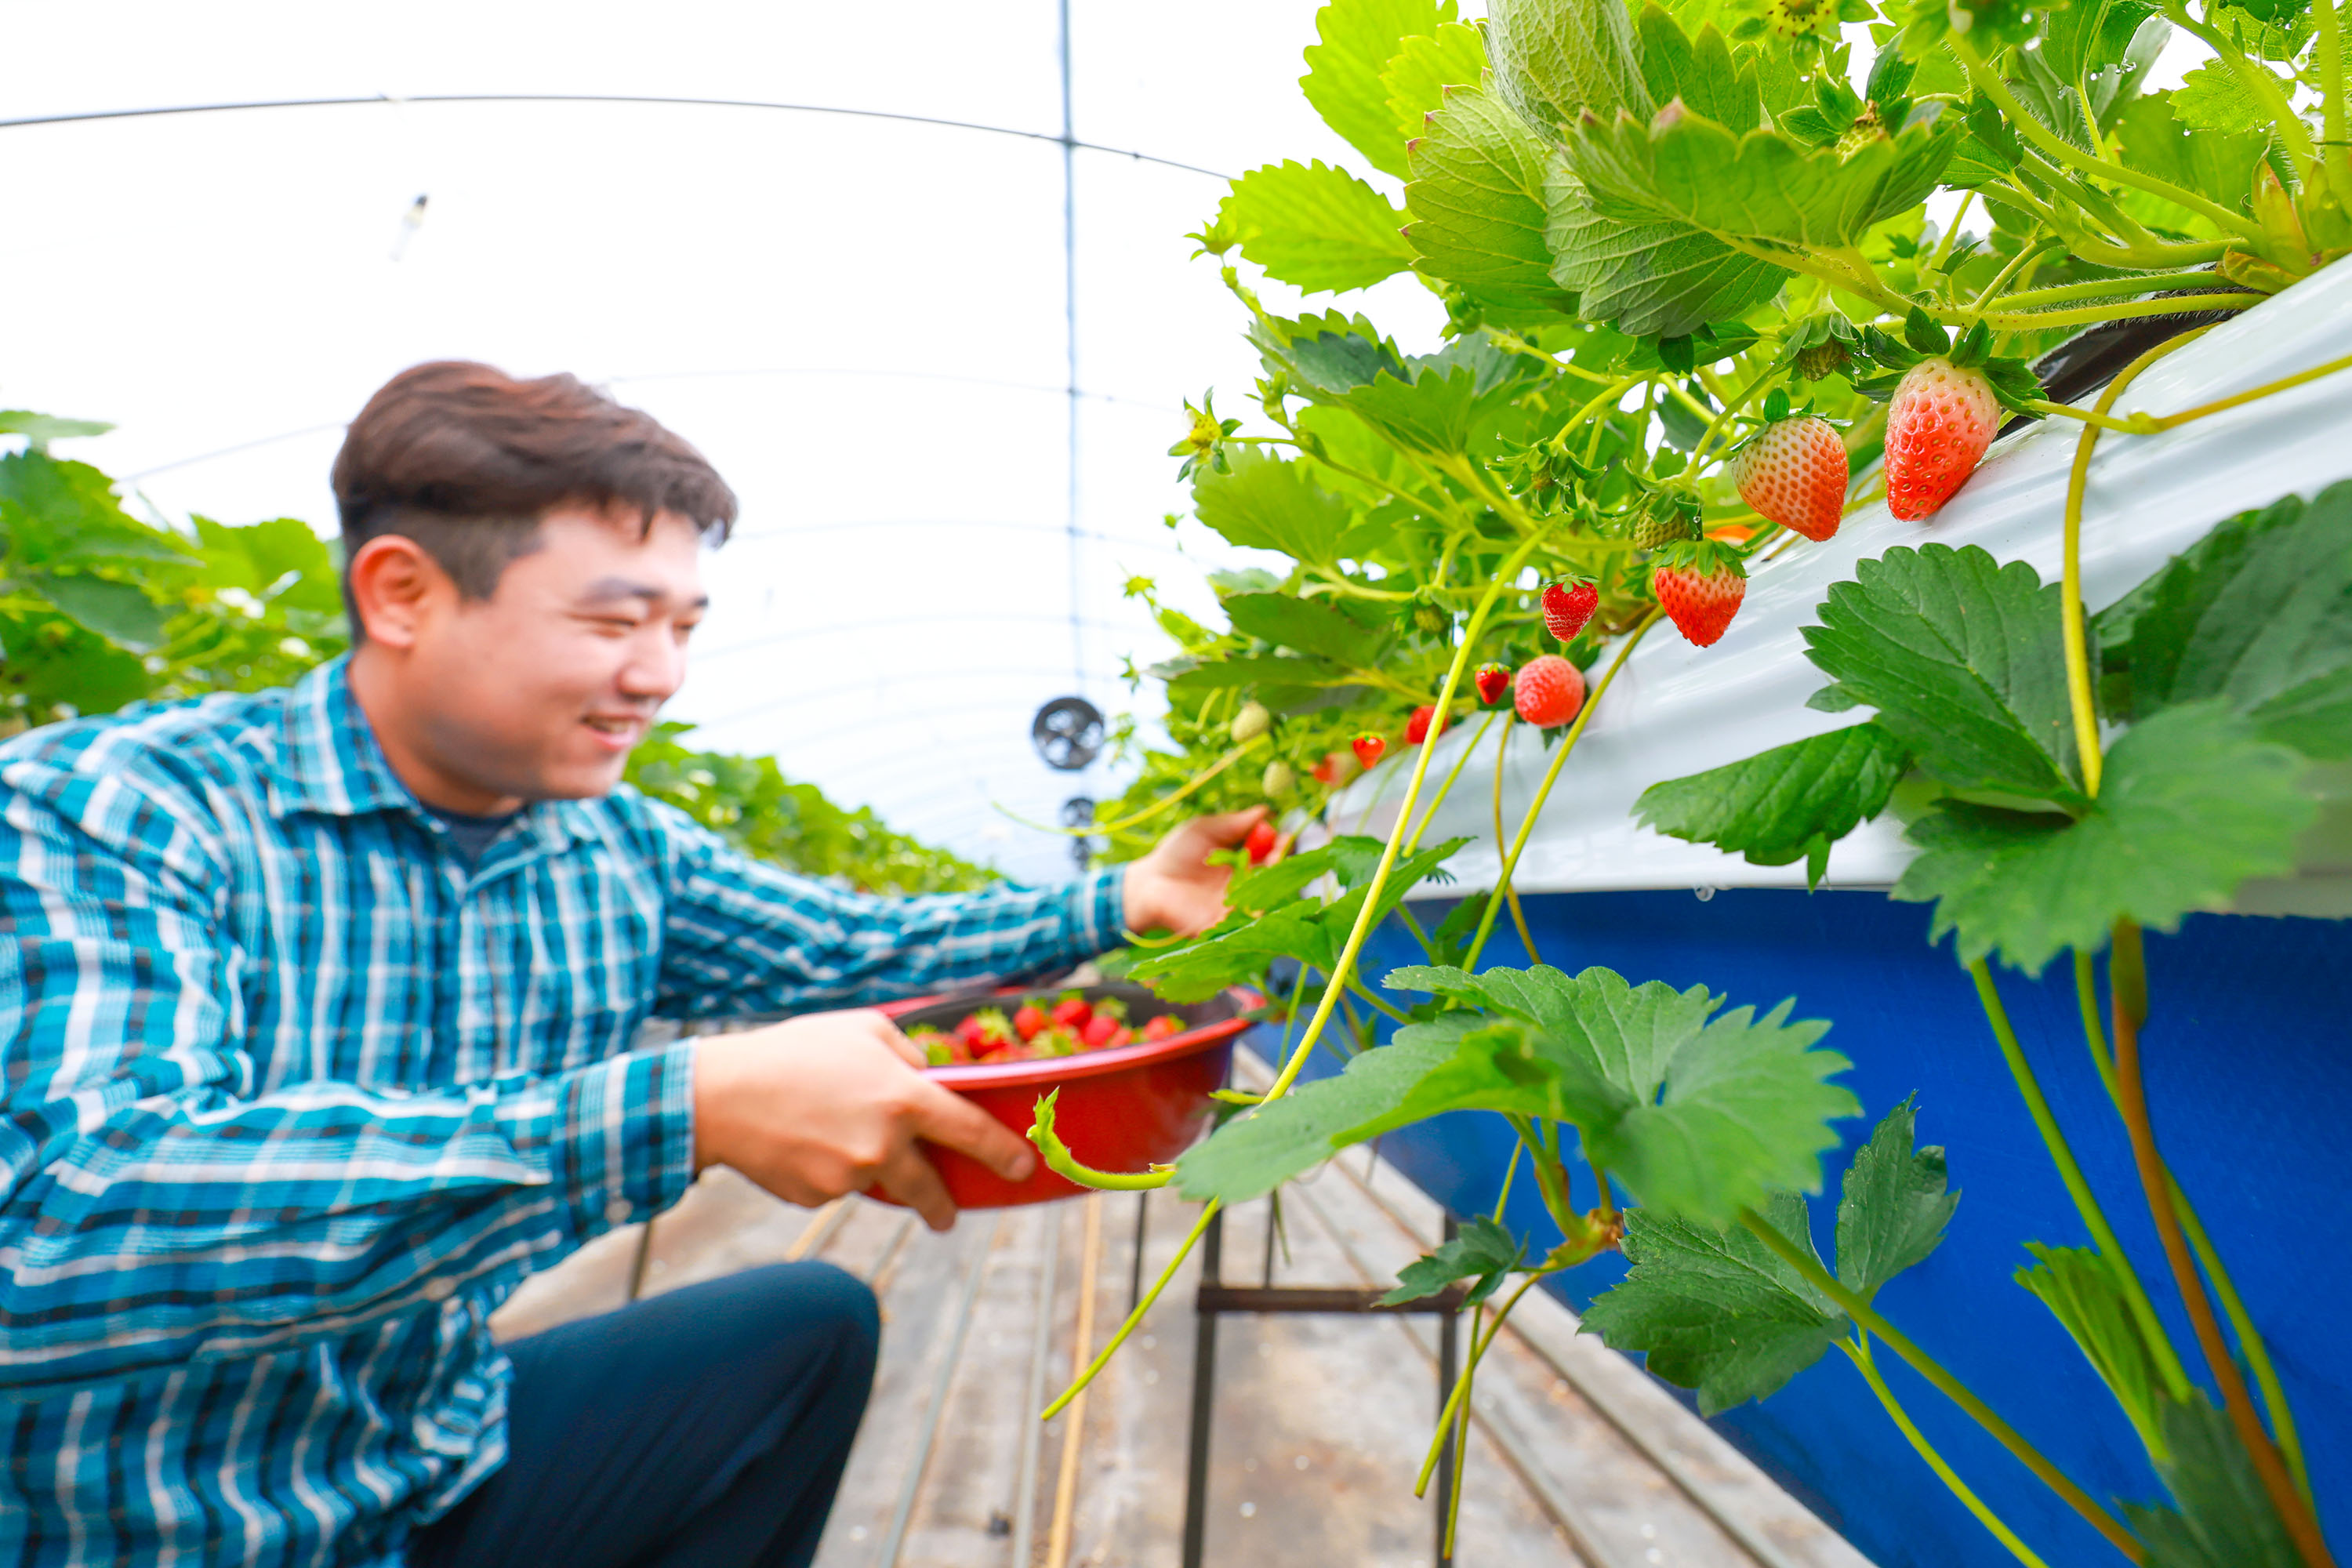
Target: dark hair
(466,460)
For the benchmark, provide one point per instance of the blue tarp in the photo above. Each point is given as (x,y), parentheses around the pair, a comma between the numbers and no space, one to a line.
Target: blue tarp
(2249,1055)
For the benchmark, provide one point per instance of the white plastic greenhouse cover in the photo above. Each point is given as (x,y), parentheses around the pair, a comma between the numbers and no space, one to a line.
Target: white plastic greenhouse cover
(1677,709)
(860,319)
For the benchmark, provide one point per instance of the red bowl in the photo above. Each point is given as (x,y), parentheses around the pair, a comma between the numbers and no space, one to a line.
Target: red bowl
(1125,1109)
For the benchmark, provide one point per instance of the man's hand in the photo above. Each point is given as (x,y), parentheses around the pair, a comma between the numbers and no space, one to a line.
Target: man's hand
(1175,886)
(831,1104)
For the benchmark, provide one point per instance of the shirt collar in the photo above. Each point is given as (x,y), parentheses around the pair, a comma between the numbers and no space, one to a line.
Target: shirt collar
(332,763)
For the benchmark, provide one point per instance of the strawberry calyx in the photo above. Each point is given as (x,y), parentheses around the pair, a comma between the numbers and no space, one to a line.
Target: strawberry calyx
(2014,383)
(1704,557)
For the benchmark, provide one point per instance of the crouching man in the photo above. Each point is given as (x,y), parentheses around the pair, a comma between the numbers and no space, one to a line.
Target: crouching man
(315,1016)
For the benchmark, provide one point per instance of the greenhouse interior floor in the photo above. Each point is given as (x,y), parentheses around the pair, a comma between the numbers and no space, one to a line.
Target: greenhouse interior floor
(1319,1422)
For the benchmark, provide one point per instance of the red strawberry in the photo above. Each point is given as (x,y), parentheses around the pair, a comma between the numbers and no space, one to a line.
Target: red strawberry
(1161,1027)
(1567,606)
(1029,1019)
(1334,770)
(1417,728)
(1941,421)
(1121,1036)
(1098,1031)
(1548,690)
(1072,1013)
(1369,749)
(1794,472)
(1260,845)
(1700,585)
(1493,681)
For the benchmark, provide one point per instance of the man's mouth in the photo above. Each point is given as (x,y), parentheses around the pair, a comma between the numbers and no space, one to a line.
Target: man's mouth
(619,727)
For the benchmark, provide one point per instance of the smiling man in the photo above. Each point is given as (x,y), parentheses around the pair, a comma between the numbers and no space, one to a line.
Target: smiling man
(316,1015)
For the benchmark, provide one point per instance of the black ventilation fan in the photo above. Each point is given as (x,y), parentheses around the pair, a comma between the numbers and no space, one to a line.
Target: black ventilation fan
(1067,733)
(1079,811)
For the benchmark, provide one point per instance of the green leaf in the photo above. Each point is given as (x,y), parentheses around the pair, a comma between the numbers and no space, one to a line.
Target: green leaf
(1281,673)
(1788,803)
(1961,656)
(2154,141)
(1265,503)
(120,612)
(1253,1154)
(1424,66)
(1316,227)
(1554,60)
(2190,806)
(52,511)
(1895,1207)
(280,560)
(1648,279)
(2213,98)
(1714,1309)
(1482,1250)
(1351,859)
(1694,1117)
(2259,612)
(51,661)
(1699,70)
(2221,1517)
(1303,625)
(40,429)
(1343,71)
(2081,1290)
(1683,167)
(1424,403)
(1476,199)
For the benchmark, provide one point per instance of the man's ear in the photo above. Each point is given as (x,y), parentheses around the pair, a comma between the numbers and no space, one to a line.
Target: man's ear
(398,586)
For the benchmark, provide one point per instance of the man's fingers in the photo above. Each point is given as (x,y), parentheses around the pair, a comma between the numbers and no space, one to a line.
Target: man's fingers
(896,1038)
(1230,827)
(914,1181)
(952,1121)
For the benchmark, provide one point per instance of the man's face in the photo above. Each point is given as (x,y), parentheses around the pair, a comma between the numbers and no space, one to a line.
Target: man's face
(541,691)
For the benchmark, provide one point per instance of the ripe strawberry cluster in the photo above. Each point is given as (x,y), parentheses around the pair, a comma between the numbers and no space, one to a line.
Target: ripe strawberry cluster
(1037,1029)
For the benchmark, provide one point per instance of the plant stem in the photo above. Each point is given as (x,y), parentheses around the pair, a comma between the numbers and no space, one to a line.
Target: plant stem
(2133,310)
(2250,1340)
(1861,1311)
(1988,81)
(1446,788)
(2078,654)
(1551,776)
(2294,137)
(1731,405)
(2087,1204)
(1944,245)
(1478,1343)
(2105,288)
(1356,985)
(1518,915)
(2284,384)
(2129,988)
(2130,425)
(1503,1195)
(2327,53)
(2026,253)
(1857,1351)
(1208,1211)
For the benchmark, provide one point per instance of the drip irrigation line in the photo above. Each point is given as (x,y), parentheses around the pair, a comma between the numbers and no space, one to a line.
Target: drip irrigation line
(1070,350)
(1068,143)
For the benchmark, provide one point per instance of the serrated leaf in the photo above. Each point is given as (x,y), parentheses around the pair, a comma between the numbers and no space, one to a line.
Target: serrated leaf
(2213,98)
(120,612)
(1416,78)
(1895,1206)
(2079,1286)
(1698,69)
(2190,806)
(1481,1250)
(1714,1309)
(1253,1154)
(1329,353)
(53,511)
(1350,859)
(2259,612)
(40,429)
(2221,1517)
(280,559)
(1776,806)
(1555,60)
(1422,402)
(1343,71)
(1476,201)
(1962,658)
(1303,625)
(1694,1117)
(2219,167)
(1316,227)
(1230,674)
(1265,503)
(1647,279)
(1683,167)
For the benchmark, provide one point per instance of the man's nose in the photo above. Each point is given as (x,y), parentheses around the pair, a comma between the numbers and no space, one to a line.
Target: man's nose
(656,668)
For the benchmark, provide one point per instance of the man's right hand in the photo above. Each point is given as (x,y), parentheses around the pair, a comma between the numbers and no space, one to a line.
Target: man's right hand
(833,1103)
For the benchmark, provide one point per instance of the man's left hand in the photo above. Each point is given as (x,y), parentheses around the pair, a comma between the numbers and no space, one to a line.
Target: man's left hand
(1175,886)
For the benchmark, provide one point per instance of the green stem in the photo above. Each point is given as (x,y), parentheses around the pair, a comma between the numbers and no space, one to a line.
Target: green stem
(2070,1171)
(2327,53)
(1731,405)
(1356,985)
(2105,288)
(1134,1318)
(1551,776)
(1447,787)
(2026,253)
(1503,1197)
(1857,1351)
(2133,311)
(2294,138)
(2130,425)
(1944,245)
(1989,82)
(1861,1311)
(2282,384)
(1453,1400)
(1518,915)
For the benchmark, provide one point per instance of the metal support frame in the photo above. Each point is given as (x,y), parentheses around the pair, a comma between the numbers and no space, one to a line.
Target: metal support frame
(1216,1299)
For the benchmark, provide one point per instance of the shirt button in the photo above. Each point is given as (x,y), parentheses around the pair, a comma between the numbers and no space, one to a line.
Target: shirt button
(617,1212)
(439,1288)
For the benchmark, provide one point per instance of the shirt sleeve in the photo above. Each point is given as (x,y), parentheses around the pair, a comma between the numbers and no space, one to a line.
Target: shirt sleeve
(743,936)
(159,1207)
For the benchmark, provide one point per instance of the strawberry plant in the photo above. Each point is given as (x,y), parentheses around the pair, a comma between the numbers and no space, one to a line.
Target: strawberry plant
(1696,316)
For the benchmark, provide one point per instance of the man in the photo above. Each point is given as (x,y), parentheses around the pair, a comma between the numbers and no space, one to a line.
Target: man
(315,1017)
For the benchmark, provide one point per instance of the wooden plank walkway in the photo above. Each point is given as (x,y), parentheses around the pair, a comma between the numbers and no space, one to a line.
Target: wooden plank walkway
(1576,1458)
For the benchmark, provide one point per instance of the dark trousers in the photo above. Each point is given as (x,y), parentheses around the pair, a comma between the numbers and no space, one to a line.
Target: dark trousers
(704,1429)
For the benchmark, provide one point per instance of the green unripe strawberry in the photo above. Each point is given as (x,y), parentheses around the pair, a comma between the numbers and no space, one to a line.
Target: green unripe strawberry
(1279,780)
(1251,723)
(1656,530)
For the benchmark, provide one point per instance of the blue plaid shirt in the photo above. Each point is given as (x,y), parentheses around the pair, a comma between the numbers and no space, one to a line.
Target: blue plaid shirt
(294,1098)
